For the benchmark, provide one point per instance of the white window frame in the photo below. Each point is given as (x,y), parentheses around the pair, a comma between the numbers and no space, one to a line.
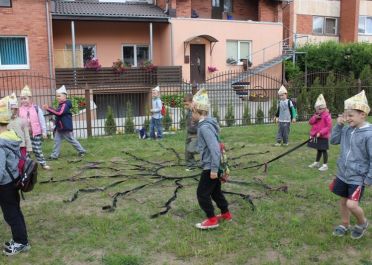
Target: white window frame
(239,42)
(135,63)
(325,25)
(365,25)
(17,66)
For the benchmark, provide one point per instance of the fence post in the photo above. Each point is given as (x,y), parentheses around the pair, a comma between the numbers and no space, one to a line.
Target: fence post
(194,88)
(88,110)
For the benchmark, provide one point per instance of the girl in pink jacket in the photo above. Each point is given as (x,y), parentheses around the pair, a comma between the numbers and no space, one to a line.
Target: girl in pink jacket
(321,127)
(36,123)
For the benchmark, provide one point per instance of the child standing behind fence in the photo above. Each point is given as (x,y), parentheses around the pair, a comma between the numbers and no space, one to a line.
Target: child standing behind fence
(156,116)
(286,114)
(321,126)
(20,127)
(191,145)
(63,124)
(354,165)
(36,123)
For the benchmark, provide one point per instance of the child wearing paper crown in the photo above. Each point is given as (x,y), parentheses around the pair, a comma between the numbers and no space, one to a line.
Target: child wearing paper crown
(20,127)
(9,194)
(321,127)
(63,124)
(285,114)
(354,165)
(209,184)
(156,117)
(36,124)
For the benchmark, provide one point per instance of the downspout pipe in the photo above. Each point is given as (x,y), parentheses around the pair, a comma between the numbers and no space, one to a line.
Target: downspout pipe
(49,35)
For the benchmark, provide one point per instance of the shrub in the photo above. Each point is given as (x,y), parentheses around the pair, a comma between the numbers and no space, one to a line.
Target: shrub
(174,100)
(246,115)
(260,115)
(167,120)
(215,112)
(229,116)
(183,119)
(110,124)
(274,108)
(129,124)
(329,91)
(303,106)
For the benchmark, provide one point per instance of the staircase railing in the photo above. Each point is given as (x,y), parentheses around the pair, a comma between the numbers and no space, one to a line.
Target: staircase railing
(269,52)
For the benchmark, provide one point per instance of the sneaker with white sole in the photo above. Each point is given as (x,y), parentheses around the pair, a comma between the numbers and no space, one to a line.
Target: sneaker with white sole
(340,231)
(324,167)
(278,144)
(46,167)
(208,223)
(8,243)
(16,248)
(314,165)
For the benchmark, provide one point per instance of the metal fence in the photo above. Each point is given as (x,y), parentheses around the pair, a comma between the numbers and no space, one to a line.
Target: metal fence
(237,98)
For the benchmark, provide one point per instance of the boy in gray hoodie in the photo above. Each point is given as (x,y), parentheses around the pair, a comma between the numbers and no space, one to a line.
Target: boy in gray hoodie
(9,194)
(354,165)
(209,184)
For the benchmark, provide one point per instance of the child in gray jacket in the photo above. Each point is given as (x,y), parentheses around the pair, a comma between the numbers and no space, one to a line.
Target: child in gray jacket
(209,184)
(354,165)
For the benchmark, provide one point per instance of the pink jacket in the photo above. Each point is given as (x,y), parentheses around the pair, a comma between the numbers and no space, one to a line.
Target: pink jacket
(34,118)
(322,125)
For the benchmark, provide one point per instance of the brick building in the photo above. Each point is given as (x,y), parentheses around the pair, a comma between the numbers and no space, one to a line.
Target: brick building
(24,45)
(322,20)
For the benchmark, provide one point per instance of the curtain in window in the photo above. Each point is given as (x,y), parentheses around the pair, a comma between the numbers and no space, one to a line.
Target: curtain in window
(361,25)
(244,50)
(318,25)
(13,51)
(369,25)
(232,51)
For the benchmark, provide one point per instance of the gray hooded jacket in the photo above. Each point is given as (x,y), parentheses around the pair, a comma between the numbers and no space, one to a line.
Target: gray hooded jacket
(354,166)
(210,154)
(8,140)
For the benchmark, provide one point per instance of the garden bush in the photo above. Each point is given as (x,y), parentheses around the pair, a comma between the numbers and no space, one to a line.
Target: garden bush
(110,124)
(129,124)
(229,116)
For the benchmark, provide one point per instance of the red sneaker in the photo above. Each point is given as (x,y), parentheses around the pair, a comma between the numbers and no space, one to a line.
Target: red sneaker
(225,216)
(208,223)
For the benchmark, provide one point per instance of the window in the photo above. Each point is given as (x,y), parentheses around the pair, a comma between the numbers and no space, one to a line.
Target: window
(325,25)
(228,6)
(5,3)
(88,51)
(134,55)
(13,53)
(365,25)
(215,3)
(237,50)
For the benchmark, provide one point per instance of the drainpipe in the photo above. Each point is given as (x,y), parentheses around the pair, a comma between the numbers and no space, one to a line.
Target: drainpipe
(151,43)
(73,44)
(171,40)
(51,75)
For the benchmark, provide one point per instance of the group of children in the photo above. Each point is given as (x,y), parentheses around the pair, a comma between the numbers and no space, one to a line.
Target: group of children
(354,167)
(22,129)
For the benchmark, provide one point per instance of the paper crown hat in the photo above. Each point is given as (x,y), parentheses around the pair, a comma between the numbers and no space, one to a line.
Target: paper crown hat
(157,89)
(4,110)
(26,92)
(13,102)
(320,102)
(201,100)
(282,90)
(61,90)
(358,102)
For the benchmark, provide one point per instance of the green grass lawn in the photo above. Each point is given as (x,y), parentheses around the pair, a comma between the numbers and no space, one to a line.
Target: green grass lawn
(291,227)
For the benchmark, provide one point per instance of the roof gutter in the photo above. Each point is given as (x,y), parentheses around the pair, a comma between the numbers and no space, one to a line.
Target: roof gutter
(124,19)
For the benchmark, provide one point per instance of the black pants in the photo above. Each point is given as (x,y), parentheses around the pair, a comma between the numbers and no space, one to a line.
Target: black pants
(319,155)
(209,189)
(10,205)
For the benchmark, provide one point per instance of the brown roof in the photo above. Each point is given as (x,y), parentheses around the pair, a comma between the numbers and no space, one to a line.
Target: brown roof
(89,10)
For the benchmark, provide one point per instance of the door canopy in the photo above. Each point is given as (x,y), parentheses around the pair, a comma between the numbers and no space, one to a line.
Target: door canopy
(209,38)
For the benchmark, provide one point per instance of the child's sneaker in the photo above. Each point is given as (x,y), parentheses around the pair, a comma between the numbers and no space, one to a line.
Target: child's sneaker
(314,165)
(189,169)
(52,158)
(278,144)
(358,230)
(225,216)
(46,167)
(324,167)
(82,154)
(285,144)
(208,223)
(340,231)
(16,248)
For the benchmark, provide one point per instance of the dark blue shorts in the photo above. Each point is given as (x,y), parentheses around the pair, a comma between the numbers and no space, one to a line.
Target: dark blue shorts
(350,191)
